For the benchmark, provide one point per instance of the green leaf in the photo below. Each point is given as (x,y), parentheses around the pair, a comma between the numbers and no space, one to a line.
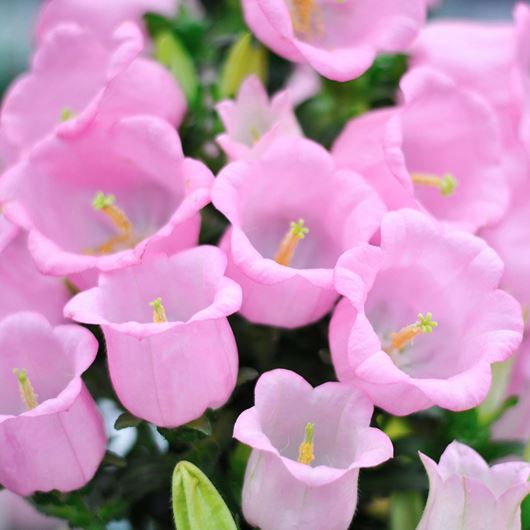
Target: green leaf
(170,52)
(197,505)
(244,58)
(126,420)
(406,508)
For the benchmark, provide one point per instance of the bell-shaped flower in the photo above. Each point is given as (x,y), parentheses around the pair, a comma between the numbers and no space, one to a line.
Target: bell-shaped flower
(51,433)
(341,38)
(24,288)
(423,318)
(253,122)
(509,237)
(101,17)
(440,151)
(466,494)
(308,445)
(292,215)
(171,351)
(57,95)
(104,212)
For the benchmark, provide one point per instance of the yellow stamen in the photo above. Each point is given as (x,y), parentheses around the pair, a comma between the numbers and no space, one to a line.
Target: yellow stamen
(27,393)
(306,17)
(255,135)
(289,243)
(305,451)
(107,205)
(424,324)
(446,184)
(159,312)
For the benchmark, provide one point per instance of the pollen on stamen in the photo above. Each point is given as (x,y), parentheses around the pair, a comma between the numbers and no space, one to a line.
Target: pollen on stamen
(106,204)
(446,184)
(306,450)
(307,18)
(27,392)
(405,336)
(159,312)
(287,247)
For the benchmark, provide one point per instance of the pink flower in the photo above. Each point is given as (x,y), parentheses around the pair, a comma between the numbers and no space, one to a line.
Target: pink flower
(509,238)
(303,84)
(514,423)
(439,151)
(292,215)
(308,445)
(51,433)
(16,513)
(101,17)
(23,286)
(493,60)
(106,212)
(339,39)
(478,56)
(252,122)
(422,320)
(58,95)
(467,494)
(171,351)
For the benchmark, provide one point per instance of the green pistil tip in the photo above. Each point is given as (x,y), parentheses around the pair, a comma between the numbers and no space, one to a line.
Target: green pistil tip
(22,375)
(298,229)
(448,185)
(156,303)
(309,433)
(426,323)
(67,114)
(103,201)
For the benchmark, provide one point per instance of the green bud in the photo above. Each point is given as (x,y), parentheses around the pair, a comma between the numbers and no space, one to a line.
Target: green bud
(171,53)
(197,505)
(244,59)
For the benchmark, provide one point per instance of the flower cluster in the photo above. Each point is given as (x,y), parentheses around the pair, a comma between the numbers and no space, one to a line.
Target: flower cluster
(411,232)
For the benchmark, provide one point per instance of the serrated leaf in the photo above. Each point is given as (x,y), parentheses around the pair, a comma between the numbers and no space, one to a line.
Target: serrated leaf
(197,505)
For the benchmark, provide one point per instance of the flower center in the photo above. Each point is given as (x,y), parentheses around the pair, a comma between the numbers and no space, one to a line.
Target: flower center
(446,184)
(106,204)
(406,335)
(306,17)
(27,393)
(285,252)
(305,451)
(159,312)
(66,114)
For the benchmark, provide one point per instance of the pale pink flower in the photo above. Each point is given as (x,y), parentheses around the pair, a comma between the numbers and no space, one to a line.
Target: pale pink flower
(308,445)
(171,351)
(253,122)
(439,151)
(466,494)
(292,214)
(51,433)
(101,17)
(23,286)
(58,96)
(423,319)
(339,39)
(154,196)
